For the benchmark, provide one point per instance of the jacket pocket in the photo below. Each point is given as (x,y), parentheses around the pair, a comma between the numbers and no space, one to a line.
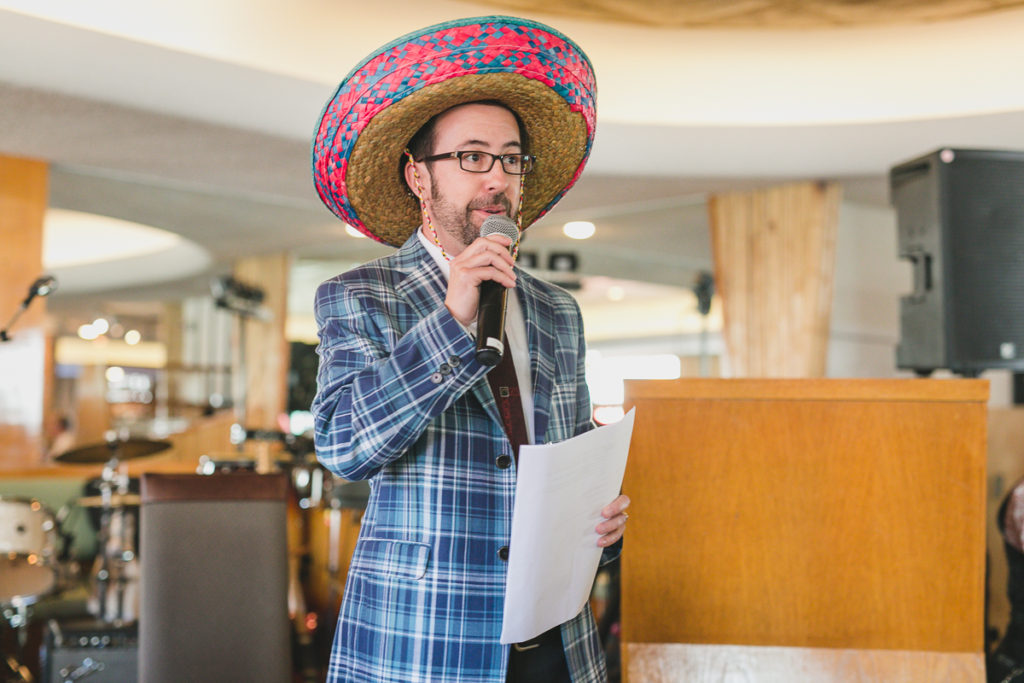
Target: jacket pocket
(404,559)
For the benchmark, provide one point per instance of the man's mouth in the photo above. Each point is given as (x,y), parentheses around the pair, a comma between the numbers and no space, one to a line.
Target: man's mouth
(497,206)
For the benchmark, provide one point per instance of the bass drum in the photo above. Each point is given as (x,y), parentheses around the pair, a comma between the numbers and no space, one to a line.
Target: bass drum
(28,537)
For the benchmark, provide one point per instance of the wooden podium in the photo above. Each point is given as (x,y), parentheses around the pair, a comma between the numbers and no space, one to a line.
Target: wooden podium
(805,530)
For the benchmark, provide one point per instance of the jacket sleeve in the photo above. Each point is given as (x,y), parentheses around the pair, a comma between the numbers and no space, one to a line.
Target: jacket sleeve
(378,387)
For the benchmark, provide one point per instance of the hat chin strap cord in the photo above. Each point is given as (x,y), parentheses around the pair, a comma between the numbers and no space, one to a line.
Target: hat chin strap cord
(430,224)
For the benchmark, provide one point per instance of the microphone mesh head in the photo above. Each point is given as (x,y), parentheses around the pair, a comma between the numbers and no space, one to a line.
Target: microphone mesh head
(500,225)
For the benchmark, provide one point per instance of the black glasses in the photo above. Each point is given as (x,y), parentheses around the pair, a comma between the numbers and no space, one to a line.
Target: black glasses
(482,162)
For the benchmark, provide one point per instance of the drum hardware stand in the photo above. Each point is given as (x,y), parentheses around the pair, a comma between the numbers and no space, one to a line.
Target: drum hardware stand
(16,614)
(108,568)
(88,667)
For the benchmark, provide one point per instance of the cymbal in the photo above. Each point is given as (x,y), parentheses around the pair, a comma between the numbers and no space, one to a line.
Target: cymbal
(116,500)
(122,450)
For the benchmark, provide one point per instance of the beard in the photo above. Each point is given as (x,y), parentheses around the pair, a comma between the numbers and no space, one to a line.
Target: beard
(458,223)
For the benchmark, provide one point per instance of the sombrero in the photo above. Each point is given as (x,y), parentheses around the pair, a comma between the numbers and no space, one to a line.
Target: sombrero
(364,128)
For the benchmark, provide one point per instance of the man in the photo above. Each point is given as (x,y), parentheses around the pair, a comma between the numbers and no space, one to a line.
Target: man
(487,116)
(1005,664)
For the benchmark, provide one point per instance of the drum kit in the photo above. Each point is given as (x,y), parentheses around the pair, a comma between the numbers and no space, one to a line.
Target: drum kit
(37,571)
(31,568)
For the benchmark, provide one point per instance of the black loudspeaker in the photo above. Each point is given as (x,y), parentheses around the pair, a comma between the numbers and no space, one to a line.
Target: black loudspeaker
(960,217)
(91,651)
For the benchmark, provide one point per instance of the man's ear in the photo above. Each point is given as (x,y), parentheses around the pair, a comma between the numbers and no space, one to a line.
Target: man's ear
(410,180)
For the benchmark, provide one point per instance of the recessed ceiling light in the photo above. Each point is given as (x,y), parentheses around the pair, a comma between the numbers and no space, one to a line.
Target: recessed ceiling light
(579,230)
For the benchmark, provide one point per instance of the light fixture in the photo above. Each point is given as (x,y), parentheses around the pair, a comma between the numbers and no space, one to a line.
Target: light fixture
(88,332)
(579,230)
(527,259)
(562,262)
(101,325)
(132,337)
(239,297)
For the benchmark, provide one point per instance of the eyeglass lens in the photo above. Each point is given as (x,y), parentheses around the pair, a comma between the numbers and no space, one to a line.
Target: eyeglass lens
(482,162)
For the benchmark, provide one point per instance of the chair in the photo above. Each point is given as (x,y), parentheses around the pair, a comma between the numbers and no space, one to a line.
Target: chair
(214,578)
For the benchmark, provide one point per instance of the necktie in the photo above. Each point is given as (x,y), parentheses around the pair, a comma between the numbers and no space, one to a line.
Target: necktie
(505,388)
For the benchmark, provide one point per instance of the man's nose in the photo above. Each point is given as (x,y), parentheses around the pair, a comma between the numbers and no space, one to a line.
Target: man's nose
(496,178)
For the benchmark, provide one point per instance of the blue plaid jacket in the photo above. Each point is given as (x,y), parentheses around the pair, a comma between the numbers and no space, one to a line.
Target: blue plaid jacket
(402,401)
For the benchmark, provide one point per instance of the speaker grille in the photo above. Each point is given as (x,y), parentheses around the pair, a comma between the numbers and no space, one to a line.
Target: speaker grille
(985,203)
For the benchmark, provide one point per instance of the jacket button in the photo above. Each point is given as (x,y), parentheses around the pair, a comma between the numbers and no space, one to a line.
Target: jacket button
(503,552)
(455,361)
(436,378)
(445,369)
(503,461)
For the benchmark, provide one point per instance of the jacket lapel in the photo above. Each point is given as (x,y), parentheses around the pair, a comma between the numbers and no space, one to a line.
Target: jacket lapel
(420,283)
(423,288)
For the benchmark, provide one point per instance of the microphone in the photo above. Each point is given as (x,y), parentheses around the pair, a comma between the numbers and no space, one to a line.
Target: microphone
(490,314)
(44,285)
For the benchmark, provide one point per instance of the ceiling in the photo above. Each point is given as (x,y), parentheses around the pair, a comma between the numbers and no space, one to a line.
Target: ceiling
(195,117)
(759,14)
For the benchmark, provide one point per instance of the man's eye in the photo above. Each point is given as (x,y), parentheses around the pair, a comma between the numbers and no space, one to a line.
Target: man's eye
(472,157)
(513,160)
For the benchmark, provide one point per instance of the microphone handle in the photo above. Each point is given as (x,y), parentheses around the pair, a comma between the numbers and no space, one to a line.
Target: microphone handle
(490,322)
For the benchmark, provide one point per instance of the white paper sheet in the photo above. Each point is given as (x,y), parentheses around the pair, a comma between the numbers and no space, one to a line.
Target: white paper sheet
(553,552)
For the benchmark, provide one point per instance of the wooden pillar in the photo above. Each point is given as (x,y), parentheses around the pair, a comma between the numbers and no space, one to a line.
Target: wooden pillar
(774,252)
(23,359)
(172,334)
(266,349)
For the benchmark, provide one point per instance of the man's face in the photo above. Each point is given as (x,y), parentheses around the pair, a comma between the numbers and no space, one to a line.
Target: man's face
(458,200)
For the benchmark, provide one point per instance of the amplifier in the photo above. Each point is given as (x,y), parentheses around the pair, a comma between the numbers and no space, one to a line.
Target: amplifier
(90,651)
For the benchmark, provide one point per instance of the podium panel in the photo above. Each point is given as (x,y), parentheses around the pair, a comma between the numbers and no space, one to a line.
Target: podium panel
(832,514)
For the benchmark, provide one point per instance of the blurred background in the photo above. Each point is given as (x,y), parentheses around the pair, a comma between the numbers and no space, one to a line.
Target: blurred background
(155,162)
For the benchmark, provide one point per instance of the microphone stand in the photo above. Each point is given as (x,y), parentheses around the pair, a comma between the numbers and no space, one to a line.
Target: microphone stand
(4,337)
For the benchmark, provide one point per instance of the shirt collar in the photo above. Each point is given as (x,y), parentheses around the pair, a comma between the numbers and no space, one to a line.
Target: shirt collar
(435,251)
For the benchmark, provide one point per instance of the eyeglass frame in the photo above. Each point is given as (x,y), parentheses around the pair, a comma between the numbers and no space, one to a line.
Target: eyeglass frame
(527,159)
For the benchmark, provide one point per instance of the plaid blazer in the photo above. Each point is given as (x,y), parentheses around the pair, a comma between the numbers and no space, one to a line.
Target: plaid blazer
(402,401)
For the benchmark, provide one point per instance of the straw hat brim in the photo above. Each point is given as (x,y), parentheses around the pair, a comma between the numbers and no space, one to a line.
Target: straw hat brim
(364,128)
(378,193)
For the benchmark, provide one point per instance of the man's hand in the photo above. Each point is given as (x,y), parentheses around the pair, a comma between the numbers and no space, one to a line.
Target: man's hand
(615,516)
(486,258)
